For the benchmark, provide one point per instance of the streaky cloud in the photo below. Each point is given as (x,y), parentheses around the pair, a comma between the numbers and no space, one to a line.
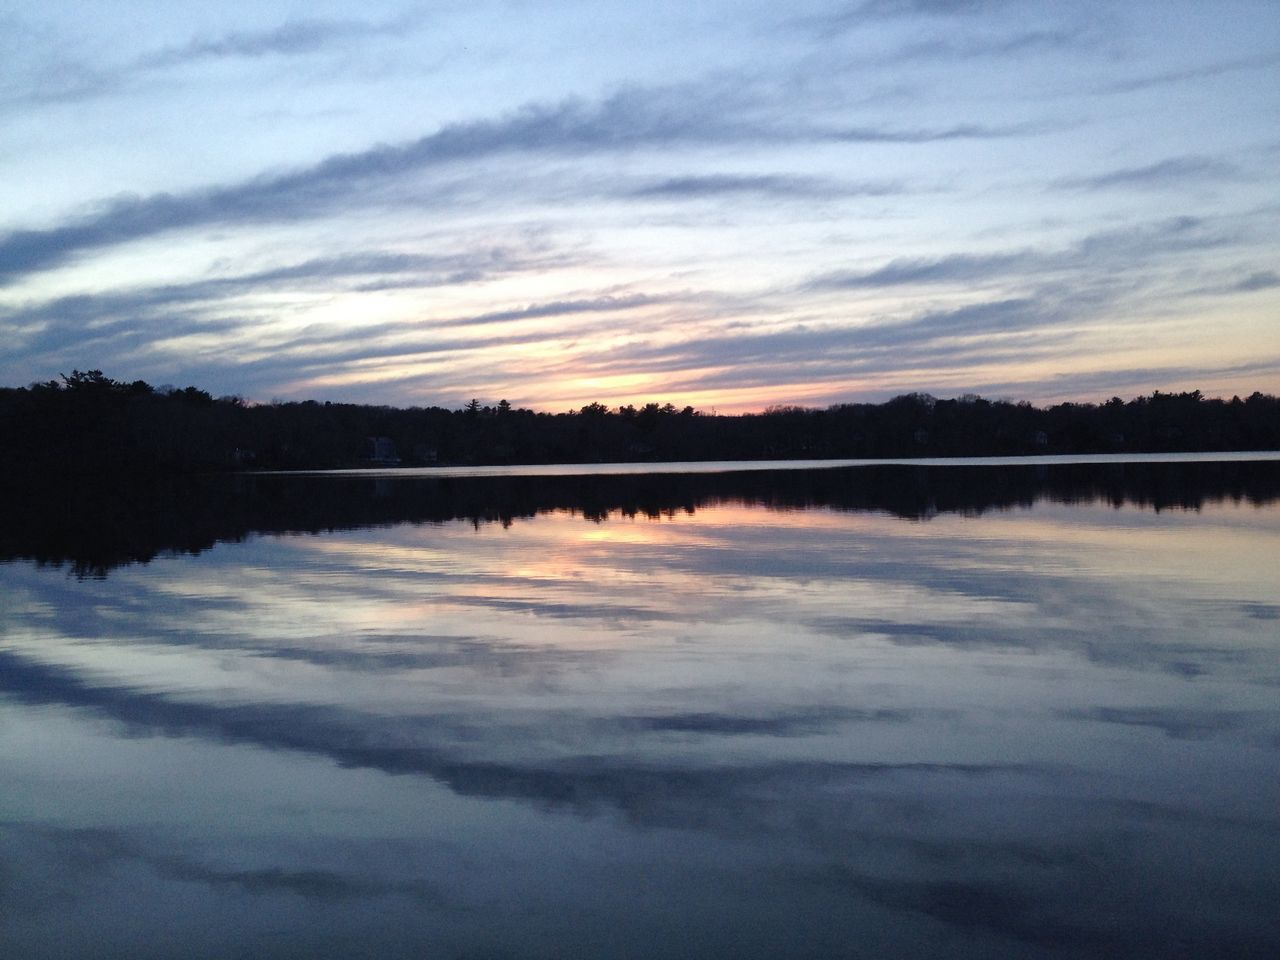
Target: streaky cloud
(99,847)
(632,119)
(790,724)
(1166,173)
(71,81)
(950,269)
(1139,379)
(933,8)
(1000,907)
(768,185)
(1105,251)
(557,308)
(1203,72)
(64,320)
(426,746)
(1262,280)
(960,131)
(849,17)
(140,328)
(836,348)
(425,269)
(625,120)
(977,48)
(1124,246)
(1177,723)
(291,38)
(149,333)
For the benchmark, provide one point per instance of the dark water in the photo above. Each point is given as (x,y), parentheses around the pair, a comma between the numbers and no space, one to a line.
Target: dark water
(863,712)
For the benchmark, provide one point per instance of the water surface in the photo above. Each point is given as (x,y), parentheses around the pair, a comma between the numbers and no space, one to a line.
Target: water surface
(902,712)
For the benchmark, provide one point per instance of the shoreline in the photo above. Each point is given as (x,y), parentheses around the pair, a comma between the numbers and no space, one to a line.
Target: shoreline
(750,466)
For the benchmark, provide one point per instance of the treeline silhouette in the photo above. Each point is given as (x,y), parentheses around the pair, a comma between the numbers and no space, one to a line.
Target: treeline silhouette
(88,422)
(92,528)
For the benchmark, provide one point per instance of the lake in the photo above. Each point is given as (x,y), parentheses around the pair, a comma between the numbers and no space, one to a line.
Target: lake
(911,710)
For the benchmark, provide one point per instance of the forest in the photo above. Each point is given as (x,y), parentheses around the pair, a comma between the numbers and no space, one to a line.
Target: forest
(89,423)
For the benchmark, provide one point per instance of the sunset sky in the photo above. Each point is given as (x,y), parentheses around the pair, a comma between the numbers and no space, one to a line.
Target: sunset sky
(729,205)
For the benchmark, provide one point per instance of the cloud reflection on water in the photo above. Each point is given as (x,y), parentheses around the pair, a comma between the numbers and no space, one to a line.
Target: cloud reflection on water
(1046,732)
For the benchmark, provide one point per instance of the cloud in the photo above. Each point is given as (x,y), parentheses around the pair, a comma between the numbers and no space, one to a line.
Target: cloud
(629,120)
(94,849)
(292,38)
(324,885)
(1178,723)
(767,185)
(1128,380)
(1000,906)
(645,792)
(1262,280)
(61,80)
(1041,322)
(322,349)
(570,126)
(1105,251)
(931,8)
(1043,317)
(956,268)
(326,273)
(977,48)
(1203,72)
(789,724)
(1172,172)
(427,269)
(810,358)
(953,32)
(839,348)
(989,332)
(557,308)
(110,323)
(1261,611)
(960,131)
(803,342)
(140,326)
(875,11)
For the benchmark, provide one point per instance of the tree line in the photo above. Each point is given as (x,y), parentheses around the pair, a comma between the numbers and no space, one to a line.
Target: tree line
(89,422)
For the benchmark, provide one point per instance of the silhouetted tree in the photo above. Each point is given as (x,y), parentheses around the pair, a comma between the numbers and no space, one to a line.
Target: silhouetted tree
(86,422)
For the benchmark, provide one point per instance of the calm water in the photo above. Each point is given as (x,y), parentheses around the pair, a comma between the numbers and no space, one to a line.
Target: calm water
(890,712)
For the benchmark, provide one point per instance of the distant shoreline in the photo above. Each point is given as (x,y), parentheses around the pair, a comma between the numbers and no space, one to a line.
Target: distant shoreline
(96,523)
(88,424)
(749,466)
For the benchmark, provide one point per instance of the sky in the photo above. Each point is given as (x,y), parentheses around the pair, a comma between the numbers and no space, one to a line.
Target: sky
(729,205)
